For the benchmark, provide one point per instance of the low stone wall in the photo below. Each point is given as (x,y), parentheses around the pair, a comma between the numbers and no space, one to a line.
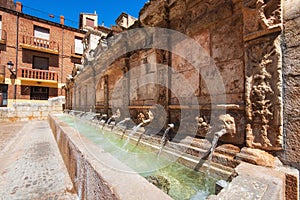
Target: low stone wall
(31,111)
(91,174)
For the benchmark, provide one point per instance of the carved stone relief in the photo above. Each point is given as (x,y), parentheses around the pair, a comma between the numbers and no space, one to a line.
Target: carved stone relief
(261,17)
(264,93)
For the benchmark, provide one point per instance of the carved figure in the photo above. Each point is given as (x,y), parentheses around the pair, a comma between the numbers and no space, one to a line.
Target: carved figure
(261,15)
(224,122)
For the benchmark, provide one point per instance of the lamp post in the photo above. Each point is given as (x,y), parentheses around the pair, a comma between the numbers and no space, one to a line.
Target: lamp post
(13,76)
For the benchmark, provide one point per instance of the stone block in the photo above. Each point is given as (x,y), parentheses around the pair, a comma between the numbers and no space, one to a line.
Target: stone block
(185,84)
(202,14)
(36,114)
(44,108)
(256,156)
(23,114)
(133,89)
(292,186)
(291,9)
(44,114)
(135,72)
(292,101)
(33,107)
(177,9)
(291,61)
(227,40)
(180,64)
(292,145)
(233,84)
(12,114)
(292,32)
(230,84)
(203,38)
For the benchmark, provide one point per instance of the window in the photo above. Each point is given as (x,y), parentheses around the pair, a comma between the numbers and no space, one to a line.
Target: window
(78,45)
(40,63)
(41,37)
(40,32)
(90,22)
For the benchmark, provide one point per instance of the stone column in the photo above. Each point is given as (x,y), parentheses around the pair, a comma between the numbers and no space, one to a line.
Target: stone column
(126,88)
(263,72)
(106,94)
(163,80)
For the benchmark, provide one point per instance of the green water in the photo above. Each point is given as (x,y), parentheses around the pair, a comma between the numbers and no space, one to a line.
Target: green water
(185,183)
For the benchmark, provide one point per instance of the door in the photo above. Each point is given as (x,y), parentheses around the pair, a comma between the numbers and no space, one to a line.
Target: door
(39,93)
(3,95)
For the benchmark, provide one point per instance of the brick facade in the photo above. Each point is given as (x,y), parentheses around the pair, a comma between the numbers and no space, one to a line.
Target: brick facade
(16,27)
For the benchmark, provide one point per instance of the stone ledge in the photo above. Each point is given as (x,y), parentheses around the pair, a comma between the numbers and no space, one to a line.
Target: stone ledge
(264,184)
(91,172)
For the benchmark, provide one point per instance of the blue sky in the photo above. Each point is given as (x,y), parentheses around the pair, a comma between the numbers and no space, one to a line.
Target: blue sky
(107,10)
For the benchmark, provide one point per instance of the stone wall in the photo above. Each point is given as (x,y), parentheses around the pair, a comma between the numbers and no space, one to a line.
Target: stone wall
(31,111)
(217,28)
(291,76)
(252,43)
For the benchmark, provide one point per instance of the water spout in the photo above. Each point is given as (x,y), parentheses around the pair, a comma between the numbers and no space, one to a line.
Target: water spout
(121,123)
(114,116)
(165,139)
(134,130)
(145,122)
(103,116)
(225,124)
(214,142)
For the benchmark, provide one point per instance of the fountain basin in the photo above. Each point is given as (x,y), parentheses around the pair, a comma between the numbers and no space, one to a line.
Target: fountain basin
(93,179)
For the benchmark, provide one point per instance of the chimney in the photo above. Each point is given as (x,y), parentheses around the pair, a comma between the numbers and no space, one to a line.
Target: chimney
(62,20)
(19,6)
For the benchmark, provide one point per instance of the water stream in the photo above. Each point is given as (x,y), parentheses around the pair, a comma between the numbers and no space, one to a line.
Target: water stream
(214,143)
(185,183)
(134,130)
(121,123)
(164,139)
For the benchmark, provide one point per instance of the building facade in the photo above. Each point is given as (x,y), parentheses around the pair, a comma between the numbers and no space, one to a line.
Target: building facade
(41,54)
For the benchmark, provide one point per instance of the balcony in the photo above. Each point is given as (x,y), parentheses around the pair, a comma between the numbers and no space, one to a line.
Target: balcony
(3,36)
(39,44)
(37,76)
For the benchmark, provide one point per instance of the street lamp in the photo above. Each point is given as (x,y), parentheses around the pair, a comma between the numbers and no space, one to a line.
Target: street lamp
(10,66)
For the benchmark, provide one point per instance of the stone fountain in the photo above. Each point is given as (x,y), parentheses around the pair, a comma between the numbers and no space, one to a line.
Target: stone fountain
(241,88)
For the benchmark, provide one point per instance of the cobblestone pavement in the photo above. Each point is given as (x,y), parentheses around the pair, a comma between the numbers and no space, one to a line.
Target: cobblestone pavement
(31,165)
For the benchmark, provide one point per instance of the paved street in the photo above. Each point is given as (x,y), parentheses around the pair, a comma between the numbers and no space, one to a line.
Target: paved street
(31,165)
